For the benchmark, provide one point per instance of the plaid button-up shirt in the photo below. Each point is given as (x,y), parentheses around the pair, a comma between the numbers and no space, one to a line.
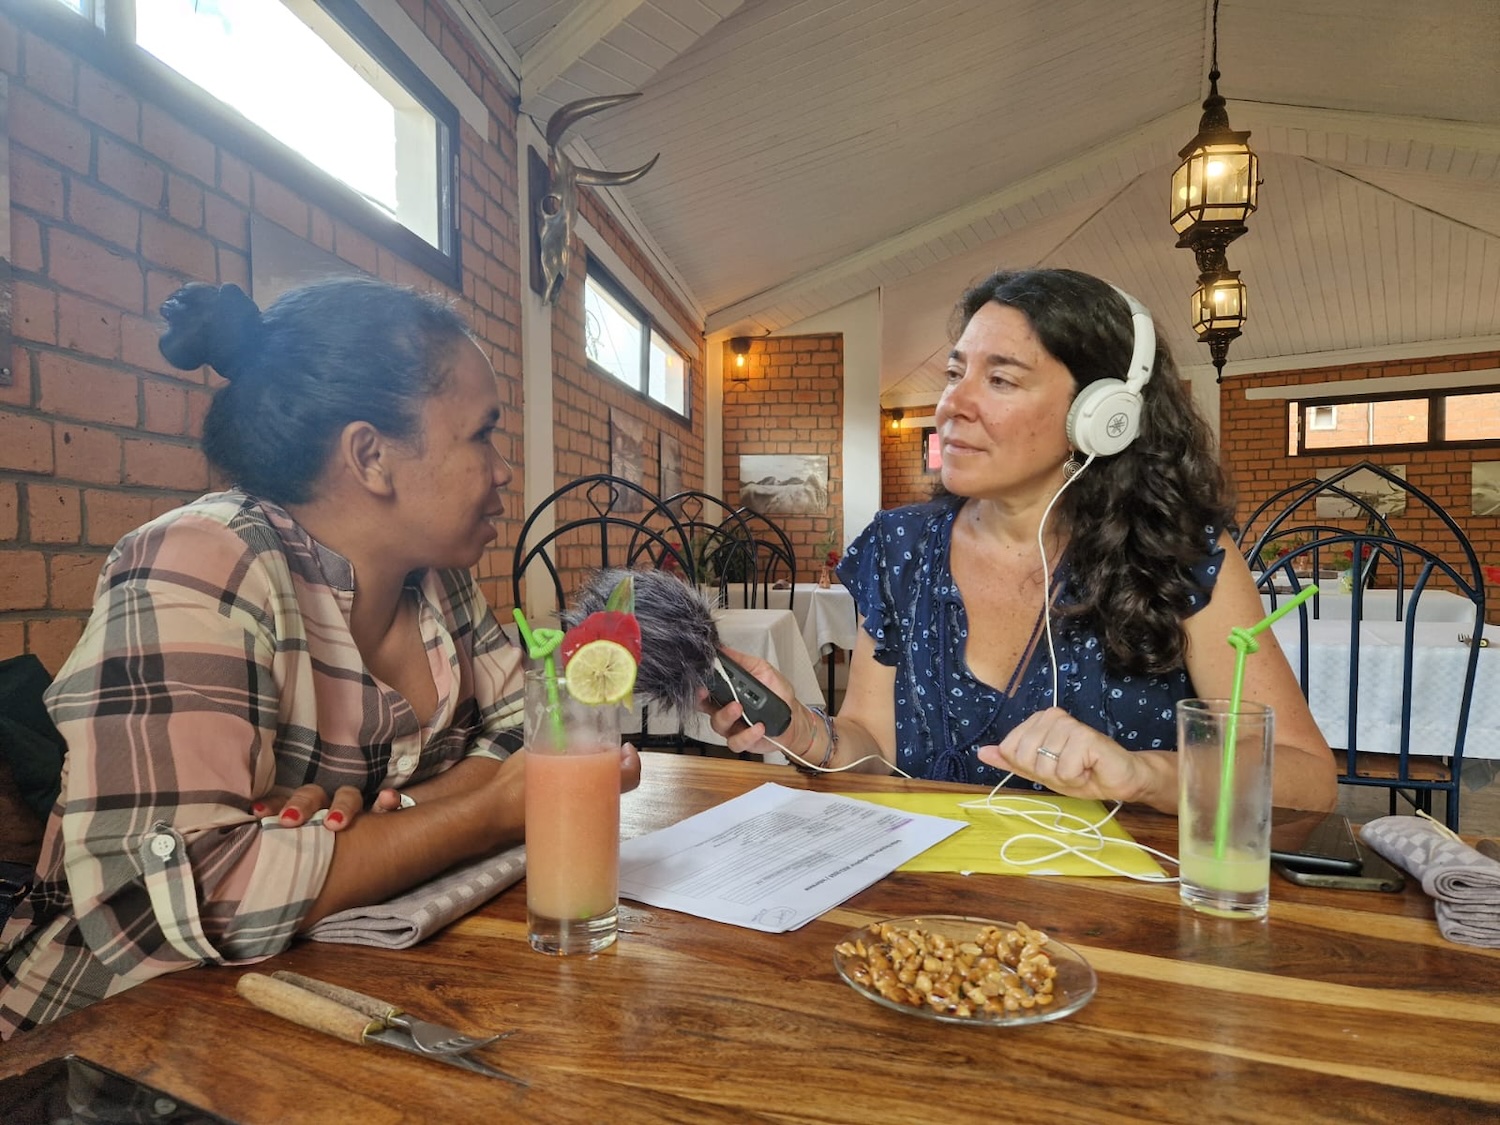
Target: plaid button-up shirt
(218,669)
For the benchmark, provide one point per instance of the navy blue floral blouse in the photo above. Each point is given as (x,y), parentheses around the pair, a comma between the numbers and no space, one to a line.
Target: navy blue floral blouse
(899,573)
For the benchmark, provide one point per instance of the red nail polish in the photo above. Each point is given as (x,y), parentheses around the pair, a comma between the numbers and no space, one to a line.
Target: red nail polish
(259,808)
(291,816)
(333,819)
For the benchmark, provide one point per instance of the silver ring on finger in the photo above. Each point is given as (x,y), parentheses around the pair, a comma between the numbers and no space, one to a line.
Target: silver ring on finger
(1043,752)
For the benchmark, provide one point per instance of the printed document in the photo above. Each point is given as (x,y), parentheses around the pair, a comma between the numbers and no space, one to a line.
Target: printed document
(775,858)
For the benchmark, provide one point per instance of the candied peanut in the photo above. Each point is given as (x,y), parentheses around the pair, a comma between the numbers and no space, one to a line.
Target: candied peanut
(999,971)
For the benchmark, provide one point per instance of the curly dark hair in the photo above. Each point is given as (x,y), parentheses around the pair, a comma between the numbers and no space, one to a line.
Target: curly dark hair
(334,352)
(1137,520)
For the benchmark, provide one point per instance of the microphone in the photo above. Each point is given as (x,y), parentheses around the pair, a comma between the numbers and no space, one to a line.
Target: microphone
(680,647)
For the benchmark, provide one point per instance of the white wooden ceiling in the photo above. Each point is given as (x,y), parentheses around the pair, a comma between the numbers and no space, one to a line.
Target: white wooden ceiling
(814,150)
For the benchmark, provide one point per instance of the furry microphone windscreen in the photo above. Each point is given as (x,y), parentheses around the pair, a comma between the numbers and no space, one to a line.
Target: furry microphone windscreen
(678,637)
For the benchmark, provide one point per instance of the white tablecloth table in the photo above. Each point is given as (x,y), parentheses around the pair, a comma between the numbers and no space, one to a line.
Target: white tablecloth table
(825,616)
(1438,664)
(772,635)
(831,620)
(1380,605)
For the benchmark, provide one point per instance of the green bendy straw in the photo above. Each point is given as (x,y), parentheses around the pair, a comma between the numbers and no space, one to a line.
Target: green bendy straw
(540,645)
(1244,643)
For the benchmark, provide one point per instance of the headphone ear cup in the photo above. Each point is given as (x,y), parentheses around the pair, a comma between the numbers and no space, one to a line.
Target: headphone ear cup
(1104,418)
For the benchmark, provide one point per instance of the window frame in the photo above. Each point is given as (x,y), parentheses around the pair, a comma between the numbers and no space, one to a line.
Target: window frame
(928,433)
(1436,400)
(596,270)
(104,36)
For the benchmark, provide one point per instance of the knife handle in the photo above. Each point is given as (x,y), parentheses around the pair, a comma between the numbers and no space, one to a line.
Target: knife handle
(375,1009)
(310,1010)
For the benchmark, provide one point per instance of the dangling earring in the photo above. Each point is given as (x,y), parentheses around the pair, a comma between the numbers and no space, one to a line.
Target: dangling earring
(1071,467)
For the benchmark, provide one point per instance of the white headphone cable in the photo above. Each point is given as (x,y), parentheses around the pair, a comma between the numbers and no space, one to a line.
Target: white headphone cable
(1041,544)
(792,753)
(1089,829)
(1059,818)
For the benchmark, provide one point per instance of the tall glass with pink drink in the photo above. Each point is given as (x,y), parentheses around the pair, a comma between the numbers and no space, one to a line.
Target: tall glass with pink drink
(572,819)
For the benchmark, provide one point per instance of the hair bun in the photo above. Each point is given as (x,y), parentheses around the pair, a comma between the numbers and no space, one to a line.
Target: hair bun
(214,324)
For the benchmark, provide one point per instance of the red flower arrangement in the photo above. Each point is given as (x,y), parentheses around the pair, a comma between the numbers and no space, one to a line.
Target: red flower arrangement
(833,559)
(1491,574)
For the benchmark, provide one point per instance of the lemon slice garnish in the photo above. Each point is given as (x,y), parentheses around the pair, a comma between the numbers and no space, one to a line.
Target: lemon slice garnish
(601,672)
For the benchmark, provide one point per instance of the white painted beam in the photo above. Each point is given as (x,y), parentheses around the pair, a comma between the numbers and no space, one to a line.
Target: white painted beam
(575,35)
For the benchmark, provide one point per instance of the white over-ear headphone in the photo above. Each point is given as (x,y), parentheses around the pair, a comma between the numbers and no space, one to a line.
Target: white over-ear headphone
(1106,415)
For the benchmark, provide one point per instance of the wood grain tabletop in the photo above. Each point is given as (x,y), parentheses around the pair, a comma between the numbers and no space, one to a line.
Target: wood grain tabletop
(1342,1006)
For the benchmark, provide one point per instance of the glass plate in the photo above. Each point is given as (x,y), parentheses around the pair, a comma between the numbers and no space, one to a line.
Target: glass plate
(1073,986)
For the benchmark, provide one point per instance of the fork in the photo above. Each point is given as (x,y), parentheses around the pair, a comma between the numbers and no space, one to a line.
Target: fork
(430,1038)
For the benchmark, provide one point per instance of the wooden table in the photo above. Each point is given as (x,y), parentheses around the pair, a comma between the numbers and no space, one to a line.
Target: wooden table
(1343,1006)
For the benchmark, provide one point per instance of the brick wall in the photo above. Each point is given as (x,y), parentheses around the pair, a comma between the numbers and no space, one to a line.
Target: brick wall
(583,398)
(115,202)
(902,480)
(789,398)
(1253,435)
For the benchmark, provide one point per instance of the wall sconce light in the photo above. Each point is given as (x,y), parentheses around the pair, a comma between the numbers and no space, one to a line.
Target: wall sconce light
(896,416)
(739,345)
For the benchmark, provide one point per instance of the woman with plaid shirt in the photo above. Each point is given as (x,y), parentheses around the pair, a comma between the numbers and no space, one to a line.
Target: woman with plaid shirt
(267,662)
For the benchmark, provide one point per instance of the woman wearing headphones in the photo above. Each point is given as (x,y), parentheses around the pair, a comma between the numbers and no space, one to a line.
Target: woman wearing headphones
(1072,581)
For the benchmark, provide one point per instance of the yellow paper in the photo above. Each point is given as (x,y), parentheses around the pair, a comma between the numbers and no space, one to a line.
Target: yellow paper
(977,847)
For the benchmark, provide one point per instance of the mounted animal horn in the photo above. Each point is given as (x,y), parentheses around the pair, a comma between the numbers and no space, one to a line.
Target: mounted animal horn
(557,204)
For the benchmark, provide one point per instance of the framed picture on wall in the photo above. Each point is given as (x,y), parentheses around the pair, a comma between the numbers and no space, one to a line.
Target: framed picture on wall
(785,484)
(932,452)
(627,457)
(1484,488)
(670,466)
(1384,497)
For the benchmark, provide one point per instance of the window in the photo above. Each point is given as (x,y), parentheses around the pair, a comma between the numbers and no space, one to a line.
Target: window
(1322,417)
(1462,417)
(932,451)
(322,79)
(621,341)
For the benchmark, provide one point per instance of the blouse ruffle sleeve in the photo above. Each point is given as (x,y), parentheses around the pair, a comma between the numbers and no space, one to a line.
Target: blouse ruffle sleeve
(869,573)
(1206,571)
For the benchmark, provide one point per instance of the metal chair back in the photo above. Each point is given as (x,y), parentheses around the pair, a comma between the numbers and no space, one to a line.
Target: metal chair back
(1296,544)
(775,558)
(598,521)
(720,542)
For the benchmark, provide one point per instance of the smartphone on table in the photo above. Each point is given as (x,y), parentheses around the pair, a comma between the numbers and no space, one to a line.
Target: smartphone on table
(73,1089)
(1317,849)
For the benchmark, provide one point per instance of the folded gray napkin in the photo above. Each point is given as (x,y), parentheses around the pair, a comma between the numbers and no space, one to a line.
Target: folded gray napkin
(425,909)
(1464,885)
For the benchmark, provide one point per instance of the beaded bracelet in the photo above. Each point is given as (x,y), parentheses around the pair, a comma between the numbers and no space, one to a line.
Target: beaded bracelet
(833,744)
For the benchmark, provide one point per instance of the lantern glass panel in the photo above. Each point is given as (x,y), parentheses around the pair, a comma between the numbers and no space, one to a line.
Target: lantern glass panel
(1216,183)
(1219,304)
